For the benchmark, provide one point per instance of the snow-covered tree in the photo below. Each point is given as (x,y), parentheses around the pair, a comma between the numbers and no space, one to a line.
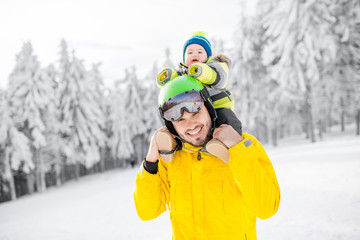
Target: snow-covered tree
(218,46)
(300,45)
(52,149)
(94,105)
(15,152)
(28,99)
(63,77)
(345,69)
(259,100)
(243,79)
(81,114)
(120,140)
(127,118)
(150,103)
(132,100)
(168,62)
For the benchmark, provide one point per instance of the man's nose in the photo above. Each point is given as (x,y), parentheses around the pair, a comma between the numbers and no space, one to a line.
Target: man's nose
(188,118)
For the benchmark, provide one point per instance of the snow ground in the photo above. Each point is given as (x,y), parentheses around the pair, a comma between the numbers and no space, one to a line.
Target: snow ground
(319,188)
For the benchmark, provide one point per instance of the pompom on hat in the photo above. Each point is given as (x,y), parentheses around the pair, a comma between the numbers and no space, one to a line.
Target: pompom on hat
(198,38)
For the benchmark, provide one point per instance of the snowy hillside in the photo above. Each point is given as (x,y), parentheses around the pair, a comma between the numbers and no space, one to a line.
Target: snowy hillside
(319,187)
(320,196)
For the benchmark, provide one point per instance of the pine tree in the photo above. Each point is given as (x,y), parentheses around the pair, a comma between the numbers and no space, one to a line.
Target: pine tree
(300,41)
(345,69)
(81,115)
(15,152)
(52,149)
(28,98)
(120,140)
(134,106)
(260,101)
(63,77)
(131,117)
(134,116)
(93,103)
(168,63)
(150,103)
(218,46)
(243,78)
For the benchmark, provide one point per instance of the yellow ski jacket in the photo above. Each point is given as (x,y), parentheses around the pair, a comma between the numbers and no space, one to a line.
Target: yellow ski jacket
(207,198)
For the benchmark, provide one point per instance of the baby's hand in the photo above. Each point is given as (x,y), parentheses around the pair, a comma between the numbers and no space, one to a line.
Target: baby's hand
(164,76)
(195,70)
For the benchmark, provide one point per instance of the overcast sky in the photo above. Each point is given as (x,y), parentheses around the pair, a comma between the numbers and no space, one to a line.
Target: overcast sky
(118,33)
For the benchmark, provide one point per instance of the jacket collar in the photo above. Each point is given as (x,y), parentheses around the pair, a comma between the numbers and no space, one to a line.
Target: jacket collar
(190,148)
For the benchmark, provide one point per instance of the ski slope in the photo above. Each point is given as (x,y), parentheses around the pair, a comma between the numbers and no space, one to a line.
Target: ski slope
(320,199)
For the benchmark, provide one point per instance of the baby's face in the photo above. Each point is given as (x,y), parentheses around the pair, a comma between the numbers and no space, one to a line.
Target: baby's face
(195,53)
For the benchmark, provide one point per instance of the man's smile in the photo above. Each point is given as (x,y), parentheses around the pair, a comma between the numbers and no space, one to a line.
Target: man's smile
(196,132)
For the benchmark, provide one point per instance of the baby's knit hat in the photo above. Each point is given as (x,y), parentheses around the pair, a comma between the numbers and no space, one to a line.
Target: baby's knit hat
(198,38)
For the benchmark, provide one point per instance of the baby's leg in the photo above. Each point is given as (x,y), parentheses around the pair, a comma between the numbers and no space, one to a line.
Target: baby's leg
(227,116)
(215,146)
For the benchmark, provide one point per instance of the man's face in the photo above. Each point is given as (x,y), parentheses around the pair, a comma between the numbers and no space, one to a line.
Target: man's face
(195,53)
(194,128)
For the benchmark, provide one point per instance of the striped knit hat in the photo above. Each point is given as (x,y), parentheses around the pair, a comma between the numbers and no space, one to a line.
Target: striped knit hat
(198,38)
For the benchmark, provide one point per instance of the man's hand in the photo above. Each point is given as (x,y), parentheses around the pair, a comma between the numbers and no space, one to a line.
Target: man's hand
(153,152)
(227,135)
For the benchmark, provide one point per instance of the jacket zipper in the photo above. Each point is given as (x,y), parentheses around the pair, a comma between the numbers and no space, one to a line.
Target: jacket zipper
(199,156)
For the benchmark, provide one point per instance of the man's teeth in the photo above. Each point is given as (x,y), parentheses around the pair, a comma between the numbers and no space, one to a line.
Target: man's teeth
(194,133)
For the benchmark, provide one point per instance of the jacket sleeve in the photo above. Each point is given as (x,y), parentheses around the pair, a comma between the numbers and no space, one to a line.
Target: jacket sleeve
(213,73)
(255,177)
(151,193)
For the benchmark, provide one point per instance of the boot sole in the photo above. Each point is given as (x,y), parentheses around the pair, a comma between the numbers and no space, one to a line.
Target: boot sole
(218,149)
(166,143)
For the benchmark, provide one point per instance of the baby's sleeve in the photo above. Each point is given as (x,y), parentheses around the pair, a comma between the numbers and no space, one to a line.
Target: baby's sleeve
(213,73)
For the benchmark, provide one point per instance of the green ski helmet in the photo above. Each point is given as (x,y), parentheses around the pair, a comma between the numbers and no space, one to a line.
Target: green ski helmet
(184,84)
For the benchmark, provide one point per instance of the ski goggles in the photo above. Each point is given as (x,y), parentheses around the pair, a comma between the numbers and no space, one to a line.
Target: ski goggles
(173,108)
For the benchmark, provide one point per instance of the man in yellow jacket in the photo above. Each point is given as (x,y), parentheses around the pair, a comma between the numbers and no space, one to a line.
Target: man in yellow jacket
(208,198)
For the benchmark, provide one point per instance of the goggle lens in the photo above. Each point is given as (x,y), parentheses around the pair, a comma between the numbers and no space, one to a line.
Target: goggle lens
(174,107)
